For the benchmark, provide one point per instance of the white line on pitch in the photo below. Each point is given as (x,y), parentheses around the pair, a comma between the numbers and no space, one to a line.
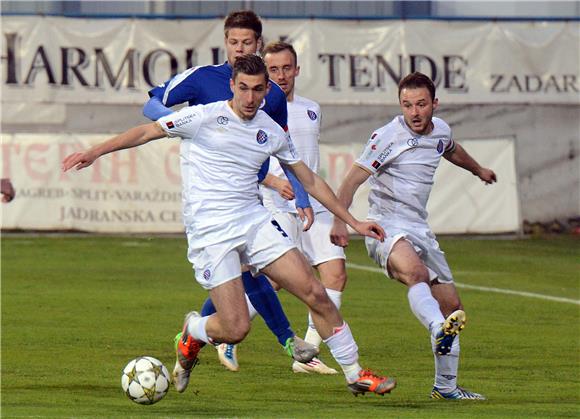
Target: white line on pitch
(477,287)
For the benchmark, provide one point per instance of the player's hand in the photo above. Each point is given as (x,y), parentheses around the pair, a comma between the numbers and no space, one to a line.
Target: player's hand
(78,160)
(284,188)
(370,229)
(339,233)
(306,215)
(487,175)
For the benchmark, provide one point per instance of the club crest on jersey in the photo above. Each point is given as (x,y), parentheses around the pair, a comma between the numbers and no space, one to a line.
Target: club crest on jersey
(206,274)
(261,137)
(311,114)
(440,147)
(170,124)
(412,142)
(376,164)
(222,120)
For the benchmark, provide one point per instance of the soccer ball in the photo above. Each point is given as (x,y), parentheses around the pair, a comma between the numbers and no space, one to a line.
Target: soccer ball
(145,380)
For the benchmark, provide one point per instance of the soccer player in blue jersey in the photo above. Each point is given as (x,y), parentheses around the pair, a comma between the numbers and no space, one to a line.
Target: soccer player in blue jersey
(208,84)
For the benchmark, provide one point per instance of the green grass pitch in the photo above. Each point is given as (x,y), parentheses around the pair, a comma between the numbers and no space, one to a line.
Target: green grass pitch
(75,310)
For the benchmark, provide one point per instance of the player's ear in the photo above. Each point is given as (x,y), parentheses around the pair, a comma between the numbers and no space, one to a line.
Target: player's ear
(232,85)
(268,87)
(259,46)
(435,103)
(297,71)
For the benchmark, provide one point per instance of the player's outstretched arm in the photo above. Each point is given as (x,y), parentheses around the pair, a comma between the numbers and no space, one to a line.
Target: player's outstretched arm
(131,138)
(460,157)
(354,178)
(319,189)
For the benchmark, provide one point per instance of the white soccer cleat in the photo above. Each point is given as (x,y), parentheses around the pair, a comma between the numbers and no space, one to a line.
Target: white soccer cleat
(227,354)
(315,366)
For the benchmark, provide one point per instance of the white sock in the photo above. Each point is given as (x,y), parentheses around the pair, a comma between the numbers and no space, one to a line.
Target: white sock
(312,335)
(446,367)
(345,351)
(251,309)
(196,328)
(424,306)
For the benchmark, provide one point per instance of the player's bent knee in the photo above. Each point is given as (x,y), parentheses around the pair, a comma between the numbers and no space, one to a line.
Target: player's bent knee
(236,330)
(414,276)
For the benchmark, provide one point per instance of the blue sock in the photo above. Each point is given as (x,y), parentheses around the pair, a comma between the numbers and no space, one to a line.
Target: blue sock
(266,302)
(208,308)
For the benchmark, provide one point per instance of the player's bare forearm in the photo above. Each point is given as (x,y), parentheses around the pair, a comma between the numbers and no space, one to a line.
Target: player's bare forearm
(319,189)
(355,177)
(281,186)
(131,138)
(460,157)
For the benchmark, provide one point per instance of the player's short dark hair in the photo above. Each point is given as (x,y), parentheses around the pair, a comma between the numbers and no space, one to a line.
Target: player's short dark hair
(417,80)
(251,65)
(279,46)
(243,19)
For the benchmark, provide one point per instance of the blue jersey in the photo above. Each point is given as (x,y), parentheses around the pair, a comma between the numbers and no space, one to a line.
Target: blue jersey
(211,83)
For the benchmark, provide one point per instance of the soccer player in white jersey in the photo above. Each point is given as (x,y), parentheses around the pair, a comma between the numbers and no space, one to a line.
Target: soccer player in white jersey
(401,158)
(223,146)
(304,125)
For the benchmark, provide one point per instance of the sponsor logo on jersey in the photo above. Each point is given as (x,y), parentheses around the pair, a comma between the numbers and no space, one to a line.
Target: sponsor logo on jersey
(183,120)
(291,145)
(385,153)
(412,142)
(312,115)
(222,120)
(374,135)
(440,147)
(376,164)
(206,274)
(261,137)
(170,124)
(374,147)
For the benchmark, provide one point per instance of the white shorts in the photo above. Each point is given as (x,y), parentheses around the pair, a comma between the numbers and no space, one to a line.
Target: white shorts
(257,243)
(315,243)
(421,238)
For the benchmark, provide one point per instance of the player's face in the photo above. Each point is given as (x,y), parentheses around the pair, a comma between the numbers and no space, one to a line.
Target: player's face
(240,42)
(249,92)
(418,108)
(282,69)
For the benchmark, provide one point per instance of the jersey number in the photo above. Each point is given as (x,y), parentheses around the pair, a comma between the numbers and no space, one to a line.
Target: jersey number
(275,224)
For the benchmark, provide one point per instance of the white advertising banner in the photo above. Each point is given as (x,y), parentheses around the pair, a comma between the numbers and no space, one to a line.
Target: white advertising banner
(139,190)
(68,60)
(131,191)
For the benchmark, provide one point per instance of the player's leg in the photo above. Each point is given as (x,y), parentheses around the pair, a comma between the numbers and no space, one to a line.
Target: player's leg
(264,299)
(231,321)
(447,366)
(333,278)
(446,347)
(292,272)
(329,261)
(404,264)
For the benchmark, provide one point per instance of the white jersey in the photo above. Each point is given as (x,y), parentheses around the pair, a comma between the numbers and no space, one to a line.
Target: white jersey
(304,127)
(220,156)
(403,164)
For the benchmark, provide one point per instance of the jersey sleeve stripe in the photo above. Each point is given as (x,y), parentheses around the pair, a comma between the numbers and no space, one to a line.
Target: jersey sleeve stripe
(175,82)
